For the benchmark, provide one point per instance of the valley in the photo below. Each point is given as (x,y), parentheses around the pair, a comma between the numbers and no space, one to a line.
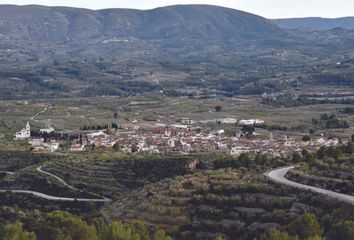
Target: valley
(186,122)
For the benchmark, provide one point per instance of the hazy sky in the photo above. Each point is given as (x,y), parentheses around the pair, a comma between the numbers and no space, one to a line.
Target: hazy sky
(266,8)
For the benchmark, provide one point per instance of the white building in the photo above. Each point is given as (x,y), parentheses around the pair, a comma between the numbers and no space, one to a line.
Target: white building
(228,121)
(187,121)
(220,131)
(99,133)
(36,142)
(250,122)
(77,147)
(180,126)
(25,133)
(47,130)
(51,146)
(238,150)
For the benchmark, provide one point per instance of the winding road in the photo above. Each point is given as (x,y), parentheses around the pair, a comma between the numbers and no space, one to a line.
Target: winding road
(36,115)
(54,198)
(278,175)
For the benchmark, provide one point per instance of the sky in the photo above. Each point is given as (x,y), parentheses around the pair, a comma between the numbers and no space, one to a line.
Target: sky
(265,8)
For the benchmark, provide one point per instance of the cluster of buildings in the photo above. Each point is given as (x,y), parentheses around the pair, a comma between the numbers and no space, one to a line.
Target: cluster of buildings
(24,133)
(185,137)
(37,143)
(95,139)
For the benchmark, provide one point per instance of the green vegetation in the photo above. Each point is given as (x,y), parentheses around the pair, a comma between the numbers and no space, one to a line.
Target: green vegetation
(227,202)
(16,232)
(329,168)
(306,226)
(220,197)
(275,234)
(240,66)
(60,225)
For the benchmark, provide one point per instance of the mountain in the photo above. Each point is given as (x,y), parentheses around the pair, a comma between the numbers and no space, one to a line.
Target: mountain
(192,50)
(316,23)
(62,24)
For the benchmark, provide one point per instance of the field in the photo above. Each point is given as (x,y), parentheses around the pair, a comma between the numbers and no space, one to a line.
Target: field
(147,110)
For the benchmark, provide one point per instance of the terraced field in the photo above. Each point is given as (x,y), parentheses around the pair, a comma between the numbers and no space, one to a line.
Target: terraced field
(230,203)
(114,177)
(329,173)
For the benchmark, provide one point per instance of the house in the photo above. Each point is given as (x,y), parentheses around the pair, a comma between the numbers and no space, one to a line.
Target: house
(220,131)
(187,121)
(77,147)
(180,126)
(250,122)
(25,133)
(99,133)
(46,130)
(51,146)
(36,141)
(228,121)
(235,151)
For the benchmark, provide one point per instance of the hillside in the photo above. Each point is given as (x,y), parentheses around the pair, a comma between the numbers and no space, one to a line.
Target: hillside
(61,24)
(55,52)
(314,23)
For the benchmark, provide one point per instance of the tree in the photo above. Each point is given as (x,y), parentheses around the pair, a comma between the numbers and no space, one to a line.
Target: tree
(315,238)
(321,153)
(141,230)
(161,235)
(116,147)
(324,116)
(137,231)
(218,108)
(135,147)
(16,232)
(349,148)
(248,129)
(297,158)
(61,225)
(305,226)
(306,138)
(337,154)
(117,231)
(342,231)
(115,115)
(275,234)
(327,222)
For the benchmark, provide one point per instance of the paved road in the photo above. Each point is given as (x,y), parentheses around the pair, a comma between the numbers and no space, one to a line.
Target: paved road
(54,198)
(36,115)
(11,173)
(39,169)
(278,176)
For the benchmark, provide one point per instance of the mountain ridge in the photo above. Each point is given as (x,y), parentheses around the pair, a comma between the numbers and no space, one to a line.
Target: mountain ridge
(178,21)
(316,23)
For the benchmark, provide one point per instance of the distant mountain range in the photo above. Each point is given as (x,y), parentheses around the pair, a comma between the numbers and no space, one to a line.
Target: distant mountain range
(60,24)
(65,52)
(38,32)
(314,23)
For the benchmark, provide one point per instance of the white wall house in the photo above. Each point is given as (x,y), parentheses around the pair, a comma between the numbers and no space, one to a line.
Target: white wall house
(228,120)
(250,122)
(25,133)
(51,146)
(47,130)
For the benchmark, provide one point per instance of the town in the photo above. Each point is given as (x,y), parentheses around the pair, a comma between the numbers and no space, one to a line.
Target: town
(185,137)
